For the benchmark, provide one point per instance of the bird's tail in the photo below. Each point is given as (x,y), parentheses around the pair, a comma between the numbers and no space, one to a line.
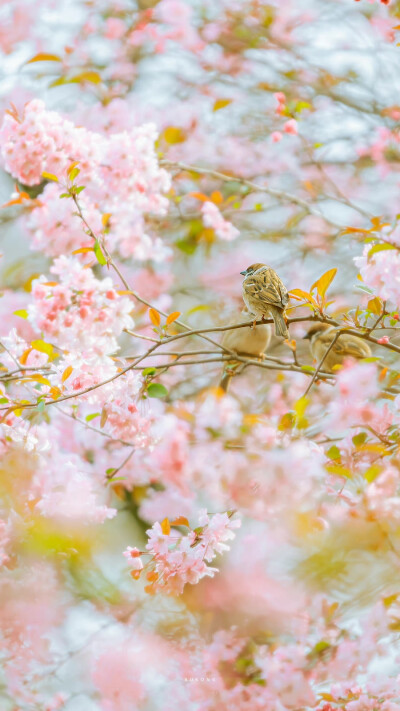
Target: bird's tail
(225,382)
(280,323)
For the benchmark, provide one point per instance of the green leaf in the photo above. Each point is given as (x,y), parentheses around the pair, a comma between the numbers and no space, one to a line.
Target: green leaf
(333,452)
(3,400)
(22,313)
(201,307)
(380,248)
(88,418)
(149,371)
(79,189)
(186,246)
(99,254)
(157,390)
(359,438)
(65,195)
(73,174)
(319,648)
(110,471)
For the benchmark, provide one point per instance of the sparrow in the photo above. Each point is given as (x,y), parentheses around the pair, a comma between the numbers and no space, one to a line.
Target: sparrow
(264,294)
(250,342)
(321,336)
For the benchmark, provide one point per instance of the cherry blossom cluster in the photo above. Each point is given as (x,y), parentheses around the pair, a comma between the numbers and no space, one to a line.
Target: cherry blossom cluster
(120,174)
(180,559)
(380,272)
(79,312)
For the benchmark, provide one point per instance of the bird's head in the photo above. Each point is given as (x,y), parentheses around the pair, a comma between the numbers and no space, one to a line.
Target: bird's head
(316,329)
(251,269)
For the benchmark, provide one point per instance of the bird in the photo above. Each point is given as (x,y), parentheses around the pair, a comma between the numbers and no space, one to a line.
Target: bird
(246,342)
(264,293)
(321,336)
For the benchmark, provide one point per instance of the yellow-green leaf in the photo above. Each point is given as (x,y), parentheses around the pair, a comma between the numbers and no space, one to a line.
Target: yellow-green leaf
(93,77)
(22,313)
(50,176)
(99,253)
(42,347)
(375,305)
(324,282)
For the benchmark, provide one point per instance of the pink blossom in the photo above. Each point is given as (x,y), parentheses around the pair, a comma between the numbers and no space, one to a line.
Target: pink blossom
(213,218)
(180,559)
(276,136)
(291,127)
(381,273)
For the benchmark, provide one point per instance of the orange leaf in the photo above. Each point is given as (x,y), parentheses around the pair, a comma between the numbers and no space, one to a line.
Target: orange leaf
(24,356)
(71,167)
(216,197)
(299,294)
(166,527)
(180,521)
(124,292)
(221,103)
(382,374)
(150,590)
(154,317)
(55,393)
(172,317)
(93,77)
(44,57)
(200,196)
(50,283)
(105,219)
(355,230)
(174,134)
(17,201)
(104,415)
(82,250)
(67,372)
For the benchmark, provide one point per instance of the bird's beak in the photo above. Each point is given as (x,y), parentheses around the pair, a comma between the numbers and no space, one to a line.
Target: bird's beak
(307,337)
(244,273)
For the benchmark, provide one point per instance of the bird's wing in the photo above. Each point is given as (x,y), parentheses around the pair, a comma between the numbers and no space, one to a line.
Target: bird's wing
(346,346)
(266,287)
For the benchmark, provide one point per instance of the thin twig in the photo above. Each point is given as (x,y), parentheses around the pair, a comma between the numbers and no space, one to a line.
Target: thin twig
(321,363)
